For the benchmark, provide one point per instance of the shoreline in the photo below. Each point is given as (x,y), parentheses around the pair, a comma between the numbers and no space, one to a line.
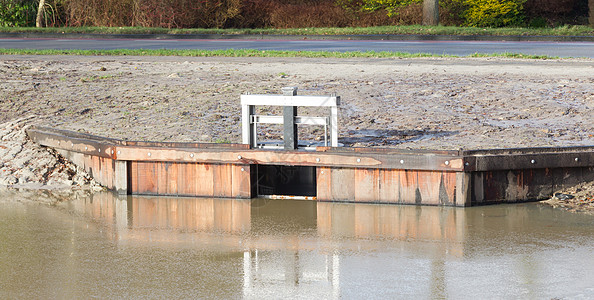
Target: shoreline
(431,103)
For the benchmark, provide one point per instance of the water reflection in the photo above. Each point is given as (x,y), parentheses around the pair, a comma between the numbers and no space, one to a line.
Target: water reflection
(272,224)
(225,248)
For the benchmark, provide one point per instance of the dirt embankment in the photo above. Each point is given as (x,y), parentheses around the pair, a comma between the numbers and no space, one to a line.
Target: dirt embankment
(400,103)
(26,165)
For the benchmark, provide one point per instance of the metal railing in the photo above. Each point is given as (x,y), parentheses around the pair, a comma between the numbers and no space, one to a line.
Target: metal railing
(289,101)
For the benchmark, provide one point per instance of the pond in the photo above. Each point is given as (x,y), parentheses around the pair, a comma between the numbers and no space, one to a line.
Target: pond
(105,246)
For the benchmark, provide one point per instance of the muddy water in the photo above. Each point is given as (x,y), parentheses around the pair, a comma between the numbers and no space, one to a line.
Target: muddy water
(104,247)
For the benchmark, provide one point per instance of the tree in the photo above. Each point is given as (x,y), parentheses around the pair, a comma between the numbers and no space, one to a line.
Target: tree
(431,12)
(591,8)
(39,20)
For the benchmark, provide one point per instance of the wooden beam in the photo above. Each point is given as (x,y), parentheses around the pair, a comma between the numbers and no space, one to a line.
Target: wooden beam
(75,143)
(296,158)
(531,161)
(56,138)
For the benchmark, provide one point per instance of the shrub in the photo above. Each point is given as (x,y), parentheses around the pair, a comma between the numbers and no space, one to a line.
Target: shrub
(543,13)
(390,6)
(411,14)
(451,12)
(98,12)
(216,13)
(493,13)
(316,14)
(254,14)
(165,13)
(15,13)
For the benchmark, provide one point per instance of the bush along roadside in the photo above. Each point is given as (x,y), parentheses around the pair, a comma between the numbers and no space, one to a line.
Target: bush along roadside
(252,14)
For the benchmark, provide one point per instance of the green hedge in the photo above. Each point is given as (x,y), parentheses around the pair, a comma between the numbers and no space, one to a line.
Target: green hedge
(15,13)
(493,13)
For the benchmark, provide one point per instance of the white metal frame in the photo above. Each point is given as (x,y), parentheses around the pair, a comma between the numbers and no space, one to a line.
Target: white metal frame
(249,119)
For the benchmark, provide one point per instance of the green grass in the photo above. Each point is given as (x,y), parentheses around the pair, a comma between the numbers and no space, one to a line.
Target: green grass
(253,53)
(566,30)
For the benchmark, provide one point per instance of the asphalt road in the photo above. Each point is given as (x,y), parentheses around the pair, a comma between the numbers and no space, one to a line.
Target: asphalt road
(459,48)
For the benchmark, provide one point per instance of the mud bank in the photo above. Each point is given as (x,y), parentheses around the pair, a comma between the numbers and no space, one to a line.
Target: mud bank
(26,165)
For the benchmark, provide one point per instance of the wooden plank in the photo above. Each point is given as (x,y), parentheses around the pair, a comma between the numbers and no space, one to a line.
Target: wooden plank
(86,146)
(389,186)
(97,170)
(495,184)
(133,177)
(88,164)
(564,178)
(515,188)
(429,187)
(463,192)
(161,177)
(172,178)
(108,168)
(120,177)
(534,161)
(147,178)
(540,185)
(367,185)
(76,141)
(447,190)
(241,181)
(296,158)
(183,145)
(587,174)
(391,151)
(527,150)
(204,180)
(187,183)
(37,131)
(478,189)
(409,191)
(323,183)
(342,184)
(223,183)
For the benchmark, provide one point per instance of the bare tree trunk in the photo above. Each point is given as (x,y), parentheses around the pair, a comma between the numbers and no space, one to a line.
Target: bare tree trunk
(591,8)
(39,20)
(431,12)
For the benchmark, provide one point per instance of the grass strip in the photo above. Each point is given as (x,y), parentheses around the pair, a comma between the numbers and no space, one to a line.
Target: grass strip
(256,53)
(565,30)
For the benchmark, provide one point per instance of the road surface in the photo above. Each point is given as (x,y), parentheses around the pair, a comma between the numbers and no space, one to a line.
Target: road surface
(458,48)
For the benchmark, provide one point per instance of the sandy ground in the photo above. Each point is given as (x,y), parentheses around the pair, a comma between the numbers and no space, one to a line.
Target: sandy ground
(432,103)
(24,165)
(410,103)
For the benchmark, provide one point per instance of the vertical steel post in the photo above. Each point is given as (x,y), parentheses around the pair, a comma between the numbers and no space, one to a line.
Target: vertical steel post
(334,126)
(247,126)
(289,127)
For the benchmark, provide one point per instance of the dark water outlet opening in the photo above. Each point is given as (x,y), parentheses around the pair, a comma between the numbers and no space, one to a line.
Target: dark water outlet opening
(286,180)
